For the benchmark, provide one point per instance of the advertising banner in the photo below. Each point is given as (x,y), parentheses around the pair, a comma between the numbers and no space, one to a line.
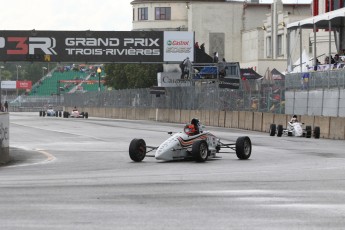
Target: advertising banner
(95,46)
(8,85)
(178,46)
(24,85)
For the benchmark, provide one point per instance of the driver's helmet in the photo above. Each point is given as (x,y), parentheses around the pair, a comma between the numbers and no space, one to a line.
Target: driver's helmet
(189,129)
(195,121)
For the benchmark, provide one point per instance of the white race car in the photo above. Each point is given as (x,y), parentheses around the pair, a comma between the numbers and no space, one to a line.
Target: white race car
(50,112)
(295,129)
(75,114)
(183,145)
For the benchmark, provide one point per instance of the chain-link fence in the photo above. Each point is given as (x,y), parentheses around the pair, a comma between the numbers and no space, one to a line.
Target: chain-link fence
(201,96)
(300,93)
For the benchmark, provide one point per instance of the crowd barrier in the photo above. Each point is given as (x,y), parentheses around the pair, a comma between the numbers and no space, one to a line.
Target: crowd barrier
(330,127)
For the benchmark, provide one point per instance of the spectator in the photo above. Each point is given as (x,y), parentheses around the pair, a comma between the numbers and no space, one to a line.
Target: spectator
(6,106)
(202,47)
(222,68)
(326,60)
(196,45)
(185,66)
(215,57)
(336,59)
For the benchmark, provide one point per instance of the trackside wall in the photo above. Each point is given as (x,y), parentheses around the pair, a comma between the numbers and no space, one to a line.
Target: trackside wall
(4,138)
(331,127)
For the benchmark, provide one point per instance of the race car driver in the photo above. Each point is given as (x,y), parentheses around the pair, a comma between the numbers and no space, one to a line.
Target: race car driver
(293,119)
(193,128)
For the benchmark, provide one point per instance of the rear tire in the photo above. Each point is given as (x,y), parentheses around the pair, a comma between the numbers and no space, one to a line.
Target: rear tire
(137,150)
(308,131)
(273,129)
(200,151)
(243,148)
(317,132)
(279,131)
(86,115)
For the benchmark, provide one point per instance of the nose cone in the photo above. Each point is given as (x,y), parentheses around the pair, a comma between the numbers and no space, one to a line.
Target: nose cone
(165,155)
(166,150)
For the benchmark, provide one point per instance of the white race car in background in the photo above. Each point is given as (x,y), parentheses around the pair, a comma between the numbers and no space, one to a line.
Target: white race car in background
(181,145)
(50,112)
(75,114)
(294,129)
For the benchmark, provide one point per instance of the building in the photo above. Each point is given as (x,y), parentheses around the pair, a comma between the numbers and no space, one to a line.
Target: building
(239,31)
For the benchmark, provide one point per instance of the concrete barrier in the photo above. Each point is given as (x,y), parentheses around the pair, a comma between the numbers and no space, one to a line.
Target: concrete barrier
(330,127)
(337,128)
(4,137)
(257,121)
(267,120)
(324,124)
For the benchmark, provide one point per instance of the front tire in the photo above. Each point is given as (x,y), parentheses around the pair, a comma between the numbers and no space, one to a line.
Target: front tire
(200,151)
(243,148)
(273,129)
(137,150)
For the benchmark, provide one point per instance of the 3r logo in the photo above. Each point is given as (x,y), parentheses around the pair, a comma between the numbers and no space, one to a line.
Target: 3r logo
(29,45)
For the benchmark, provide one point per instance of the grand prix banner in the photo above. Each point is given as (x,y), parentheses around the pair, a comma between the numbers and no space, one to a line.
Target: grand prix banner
(96,46)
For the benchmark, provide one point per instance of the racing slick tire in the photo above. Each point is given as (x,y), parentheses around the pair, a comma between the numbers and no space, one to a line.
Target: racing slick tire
(200,151)
(272,129)
(308,131)
(137,150)
(279,130)
(44,113)
(56,114)
(243,148)
(40,113)
(59,113)
(65,114)
(86,115)
(317,132)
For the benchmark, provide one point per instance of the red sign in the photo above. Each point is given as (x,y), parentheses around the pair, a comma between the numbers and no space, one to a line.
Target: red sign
(23,84)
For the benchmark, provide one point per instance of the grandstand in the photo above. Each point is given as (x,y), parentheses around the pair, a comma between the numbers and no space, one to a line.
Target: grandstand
(62,82)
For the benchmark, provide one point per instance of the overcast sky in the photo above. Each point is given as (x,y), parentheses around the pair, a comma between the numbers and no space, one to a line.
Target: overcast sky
(72,14)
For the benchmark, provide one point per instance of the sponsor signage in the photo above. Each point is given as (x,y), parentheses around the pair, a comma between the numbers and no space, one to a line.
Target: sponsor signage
(172,79)
(24,85)
(96,46)
(8,84)
(178,46)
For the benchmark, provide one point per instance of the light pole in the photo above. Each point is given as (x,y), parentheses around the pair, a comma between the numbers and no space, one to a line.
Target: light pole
(1,67)
(43,69)
(99,78)
(18,66)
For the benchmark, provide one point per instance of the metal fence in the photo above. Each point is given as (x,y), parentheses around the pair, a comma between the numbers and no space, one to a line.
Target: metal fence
(300,93)
(201,96)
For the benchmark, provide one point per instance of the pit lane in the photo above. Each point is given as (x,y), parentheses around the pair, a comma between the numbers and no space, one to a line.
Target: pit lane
(91,183)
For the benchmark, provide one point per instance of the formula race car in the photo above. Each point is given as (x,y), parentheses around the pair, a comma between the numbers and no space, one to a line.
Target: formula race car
(50,112)
(295,129)
(184,145)
(75,114)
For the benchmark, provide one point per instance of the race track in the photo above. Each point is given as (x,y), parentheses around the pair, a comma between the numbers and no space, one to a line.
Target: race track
(76,174)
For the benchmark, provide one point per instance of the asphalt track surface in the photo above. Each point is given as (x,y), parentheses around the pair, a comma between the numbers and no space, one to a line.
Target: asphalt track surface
(77,174)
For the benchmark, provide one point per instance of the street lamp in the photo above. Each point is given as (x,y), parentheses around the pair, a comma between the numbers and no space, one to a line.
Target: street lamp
(18,66)
(99,71)
(1,67)
(43,69)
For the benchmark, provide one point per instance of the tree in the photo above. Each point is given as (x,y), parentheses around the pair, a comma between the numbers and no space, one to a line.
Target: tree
(130,76)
